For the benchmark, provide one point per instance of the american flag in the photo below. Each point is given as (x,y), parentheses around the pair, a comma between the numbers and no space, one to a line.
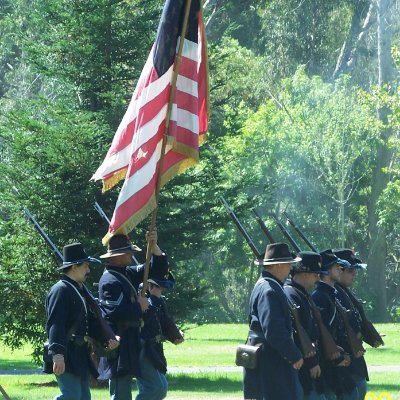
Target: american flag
(135,152)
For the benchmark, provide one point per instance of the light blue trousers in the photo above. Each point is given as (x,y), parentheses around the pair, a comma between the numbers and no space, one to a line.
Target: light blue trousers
(121,388)
(73,387)
(152,384)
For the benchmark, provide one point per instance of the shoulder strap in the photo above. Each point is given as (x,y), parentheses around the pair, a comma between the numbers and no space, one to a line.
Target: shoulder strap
(77,292)
(258,283)
(290,302)
(78,321)
(115,273)
(333,304)
(301,294)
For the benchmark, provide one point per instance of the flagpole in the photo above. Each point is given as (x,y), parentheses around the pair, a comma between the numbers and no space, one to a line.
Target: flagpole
(178,59)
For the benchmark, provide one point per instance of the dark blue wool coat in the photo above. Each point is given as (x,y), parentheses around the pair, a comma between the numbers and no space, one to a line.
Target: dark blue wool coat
(65,312)
(275,378)
(358,366)
(338,379)
(301,298)
(118,296)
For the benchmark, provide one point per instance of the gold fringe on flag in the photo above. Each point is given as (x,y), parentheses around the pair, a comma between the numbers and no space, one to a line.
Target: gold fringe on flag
(110,182)
(133,220)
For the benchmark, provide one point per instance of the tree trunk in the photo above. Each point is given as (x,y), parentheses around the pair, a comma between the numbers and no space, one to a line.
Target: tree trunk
(377,235)
(358,29)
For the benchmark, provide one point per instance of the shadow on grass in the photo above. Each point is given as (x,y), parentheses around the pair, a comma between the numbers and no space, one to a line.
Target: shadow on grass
(16,364)
(41,384)
(190,383)
(230,340)
(94,384)
(384,387)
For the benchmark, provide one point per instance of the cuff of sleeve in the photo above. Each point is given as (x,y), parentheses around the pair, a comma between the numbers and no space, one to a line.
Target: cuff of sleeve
(56,348)
(160,261)
(311,362)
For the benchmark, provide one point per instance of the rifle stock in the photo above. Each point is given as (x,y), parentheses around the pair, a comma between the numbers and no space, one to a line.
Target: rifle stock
(263,226)
(369,333)
(242,230)
(353,341)
(328,345)
(306,346)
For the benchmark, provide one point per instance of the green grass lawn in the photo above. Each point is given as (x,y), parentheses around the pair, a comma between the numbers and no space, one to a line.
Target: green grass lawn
(205,346)
(226,386)
(214,345)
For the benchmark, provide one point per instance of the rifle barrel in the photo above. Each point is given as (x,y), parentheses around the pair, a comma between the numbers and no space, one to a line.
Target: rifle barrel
(43,234)
(101,212)
(103,215)
(300,232)
(242,229)
(287,234)
(263,226)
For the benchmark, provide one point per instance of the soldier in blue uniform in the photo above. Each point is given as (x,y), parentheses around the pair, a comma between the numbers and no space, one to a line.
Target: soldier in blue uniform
(69,320)
(305,274)
(340,384)
(358,367)
(158,325)
(124,310)
(276,376)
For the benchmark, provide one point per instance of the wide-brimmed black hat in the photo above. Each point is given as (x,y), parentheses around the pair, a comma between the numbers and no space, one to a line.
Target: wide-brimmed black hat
(348,255)
(119,245)
(328,260)
(278,253)
(75,254)
(310,262)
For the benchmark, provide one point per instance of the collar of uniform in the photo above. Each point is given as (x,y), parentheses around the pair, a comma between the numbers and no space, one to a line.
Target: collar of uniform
(338,287)
(121,270)
(75,283)
(296,285)
(266,274)
(321,285)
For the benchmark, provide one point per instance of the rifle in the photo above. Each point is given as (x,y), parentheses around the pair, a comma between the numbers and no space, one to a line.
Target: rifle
(353,341)
(369,334)
(43,234)
(106,333)
(300,232)
(3,392)
(307,347)
(328,345)
(263,226)
(242,230)
(105,217)
(101,212)
(287,234)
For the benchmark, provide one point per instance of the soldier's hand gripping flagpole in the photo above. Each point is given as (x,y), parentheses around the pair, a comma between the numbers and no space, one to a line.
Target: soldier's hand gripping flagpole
(152,227)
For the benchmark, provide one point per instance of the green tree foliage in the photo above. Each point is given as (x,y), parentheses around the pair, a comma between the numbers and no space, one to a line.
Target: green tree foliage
(279,137)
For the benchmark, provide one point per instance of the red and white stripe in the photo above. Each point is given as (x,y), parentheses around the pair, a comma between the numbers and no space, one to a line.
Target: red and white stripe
(136,147)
